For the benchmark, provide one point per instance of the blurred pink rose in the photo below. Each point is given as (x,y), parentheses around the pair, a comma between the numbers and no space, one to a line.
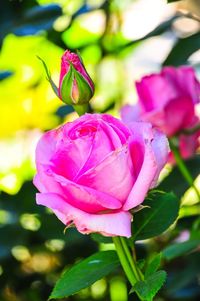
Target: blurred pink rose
(188,145)
(92,171)
(168,99)
(75,85)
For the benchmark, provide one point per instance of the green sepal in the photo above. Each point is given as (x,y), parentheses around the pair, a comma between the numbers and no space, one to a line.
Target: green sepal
(48,74)
(85,92)
(66,87)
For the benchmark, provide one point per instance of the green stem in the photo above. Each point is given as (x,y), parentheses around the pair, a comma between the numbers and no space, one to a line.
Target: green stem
(182,167)
(81,109)
(127,261)
(124,261)
(137,273)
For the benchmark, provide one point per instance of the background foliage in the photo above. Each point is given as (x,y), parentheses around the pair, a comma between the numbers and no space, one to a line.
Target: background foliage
(119,41)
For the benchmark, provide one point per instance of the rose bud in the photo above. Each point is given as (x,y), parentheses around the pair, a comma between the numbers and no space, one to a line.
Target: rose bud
(91,172)
(167,100)
(75,85)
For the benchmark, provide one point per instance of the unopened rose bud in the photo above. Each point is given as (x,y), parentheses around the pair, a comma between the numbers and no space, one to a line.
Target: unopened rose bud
(75,86)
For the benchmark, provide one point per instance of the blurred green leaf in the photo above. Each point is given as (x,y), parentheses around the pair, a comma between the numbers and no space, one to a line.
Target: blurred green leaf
(32,20)
(5,74)
(153,265)
(101,239)
(64,111)
(161,211)
(184,283)
(148,288)
(182,50)
(85,273)
(180,249)
(175,181)
(170,1)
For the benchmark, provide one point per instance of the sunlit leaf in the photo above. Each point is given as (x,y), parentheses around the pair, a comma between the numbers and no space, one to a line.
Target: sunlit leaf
(85,273)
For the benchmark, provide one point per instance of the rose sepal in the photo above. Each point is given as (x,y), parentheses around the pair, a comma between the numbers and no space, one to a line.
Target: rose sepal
(75,90)
(48,74)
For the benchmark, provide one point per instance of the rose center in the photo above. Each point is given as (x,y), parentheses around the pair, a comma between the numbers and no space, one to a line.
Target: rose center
(88,130)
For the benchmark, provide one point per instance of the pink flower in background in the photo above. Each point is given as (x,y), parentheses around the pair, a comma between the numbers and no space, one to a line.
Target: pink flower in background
(188,145)
(75,84)
(168,99)
(92,171)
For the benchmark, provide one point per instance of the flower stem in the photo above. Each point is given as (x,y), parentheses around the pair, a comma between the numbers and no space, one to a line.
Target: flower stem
(124,261)
(81,109)
(137,273)
(129,265)
(182,167)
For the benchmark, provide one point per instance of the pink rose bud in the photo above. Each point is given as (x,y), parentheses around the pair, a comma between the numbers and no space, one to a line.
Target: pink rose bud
(167,100)
(91,172)
(75,86)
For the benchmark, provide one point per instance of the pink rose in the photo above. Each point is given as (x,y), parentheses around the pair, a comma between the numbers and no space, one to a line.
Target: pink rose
(75,85)
(92,171)
(168,99)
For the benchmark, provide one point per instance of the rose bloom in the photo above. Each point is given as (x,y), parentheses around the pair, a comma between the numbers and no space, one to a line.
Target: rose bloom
(91,172)
(167,99)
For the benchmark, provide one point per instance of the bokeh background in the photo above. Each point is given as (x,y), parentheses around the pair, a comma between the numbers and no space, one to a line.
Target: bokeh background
(119,41)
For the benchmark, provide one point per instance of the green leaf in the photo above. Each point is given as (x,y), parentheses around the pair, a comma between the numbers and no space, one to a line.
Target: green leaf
(175,181)
(153,265)
(53,85)
(85,273)
(182,50)
(180,249)
(162,211)
(101,239)
(141,264)
(148,288)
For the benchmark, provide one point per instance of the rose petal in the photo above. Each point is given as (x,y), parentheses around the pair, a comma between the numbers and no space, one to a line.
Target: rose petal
(85,198)
(109,224)
(114,175)
(154,92)
(183,79)
(179,114)
(161,150)
(148,168)
(71,156)
(46,146)
(130,113)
